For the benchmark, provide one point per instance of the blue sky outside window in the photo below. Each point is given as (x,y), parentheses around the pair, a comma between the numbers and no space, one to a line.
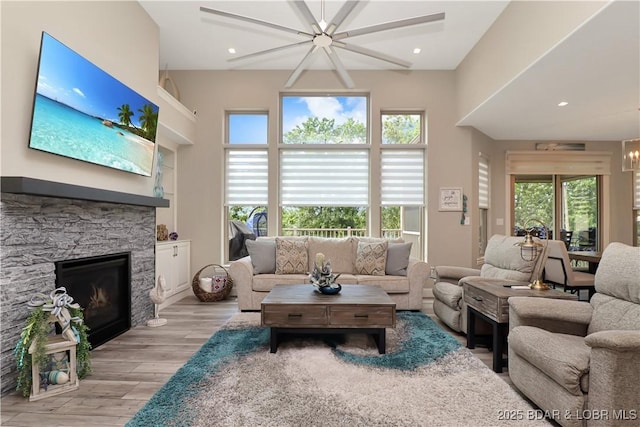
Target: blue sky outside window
(248,128)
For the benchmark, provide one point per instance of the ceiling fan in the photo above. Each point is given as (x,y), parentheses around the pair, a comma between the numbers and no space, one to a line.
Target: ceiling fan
(325,37)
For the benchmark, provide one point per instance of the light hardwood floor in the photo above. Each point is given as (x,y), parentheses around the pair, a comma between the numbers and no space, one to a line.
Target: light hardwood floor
(128,370)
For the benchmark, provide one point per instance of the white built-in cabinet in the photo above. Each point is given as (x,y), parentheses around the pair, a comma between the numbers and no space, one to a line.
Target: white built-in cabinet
(176,128)
(173,262)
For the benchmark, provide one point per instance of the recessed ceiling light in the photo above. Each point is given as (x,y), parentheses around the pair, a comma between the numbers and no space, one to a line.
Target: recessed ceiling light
(231,50)
(417,50)
(562,104)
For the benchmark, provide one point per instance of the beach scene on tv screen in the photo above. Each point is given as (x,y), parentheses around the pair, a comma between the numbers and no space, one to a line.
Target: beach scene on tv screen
(84,113)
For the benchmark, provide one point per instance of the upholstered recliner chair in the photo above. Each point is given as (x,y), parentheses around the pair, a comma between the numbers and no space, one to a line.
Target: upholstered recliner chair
(581,360)
(502,260)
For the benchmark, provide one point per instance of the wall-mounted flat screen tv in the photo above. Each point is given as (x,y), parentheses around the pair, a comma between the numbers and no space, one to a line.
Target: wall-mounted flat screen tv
(83,113)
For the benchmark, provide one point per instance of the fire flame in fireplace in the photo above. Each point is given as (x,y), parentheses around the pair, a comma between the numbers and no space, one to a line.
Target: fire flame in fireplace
(97,300)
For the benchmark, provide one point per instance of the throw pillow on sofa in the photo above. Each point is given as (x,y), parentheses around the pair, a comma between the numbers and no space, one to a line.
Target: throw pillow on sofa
(263,255)
(371,258)
(398,259)
(291,256)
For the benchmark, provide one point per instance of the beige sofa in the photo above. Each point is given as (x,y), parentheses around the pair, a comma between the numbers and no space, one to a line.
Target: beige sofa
(580,361)
(387,263)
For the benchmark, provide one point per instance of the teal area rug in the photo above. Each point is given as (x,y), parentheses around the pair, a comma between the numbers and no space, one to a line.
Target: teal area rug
(426,378)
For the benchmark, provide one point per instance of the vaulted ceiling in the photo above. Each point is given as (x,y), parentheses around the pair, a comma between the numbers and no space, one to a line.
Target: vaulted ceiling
(596,68)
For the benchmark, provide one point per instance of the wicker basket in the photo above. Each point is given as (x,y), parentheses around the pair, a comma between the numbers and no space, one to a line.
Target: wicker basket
(219,295)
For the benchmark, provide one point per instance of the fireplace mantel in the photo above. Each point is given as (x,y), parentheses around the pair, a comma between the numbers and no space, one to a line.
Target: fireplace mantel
(39,187)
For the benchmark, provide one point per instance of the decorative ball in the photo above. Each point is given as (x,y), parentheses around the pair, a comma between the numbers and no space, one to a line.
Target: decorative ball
(173,236)
(58,377)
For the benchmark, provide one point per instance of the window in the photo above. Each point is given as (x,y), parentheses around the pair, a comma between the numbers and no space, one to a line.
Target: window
(324,119)
(246,179)
(533,197)
(483,202)
(401,128)
(247,128)
(402,178)
(567,204)
(324,165)
(331,179)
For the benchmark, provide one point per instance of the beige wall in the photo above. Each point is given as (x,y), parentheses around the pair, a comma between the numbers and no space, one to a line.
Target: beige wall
(119,37)
(523,33)
(201,166)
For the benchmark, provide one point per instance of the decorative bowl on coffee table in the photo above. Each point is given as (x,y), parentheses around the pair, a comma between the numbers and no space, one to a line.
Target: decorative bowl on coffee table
(330,290)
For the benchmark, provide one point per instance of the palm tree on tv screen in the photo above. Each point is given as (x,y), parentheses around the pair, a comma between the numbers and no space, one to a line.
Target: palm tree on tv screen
(148,121)
(125,114)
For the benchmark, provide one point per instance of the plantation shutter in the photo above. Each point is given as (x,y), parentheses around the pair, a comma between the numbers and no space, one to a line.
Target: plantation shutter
(246,178)
(483,183)
(324,177)
(636,190)
(402,178)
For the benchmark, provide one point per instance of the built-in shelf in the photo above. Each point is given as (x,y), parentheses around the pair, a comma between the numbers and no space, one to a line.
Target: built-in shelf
(175,122)
(40,187)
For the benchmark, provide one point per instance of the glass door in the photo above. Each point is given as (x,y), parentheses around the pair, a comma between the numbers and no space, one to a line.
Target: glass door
(533,198)
(579,207)
(568,205)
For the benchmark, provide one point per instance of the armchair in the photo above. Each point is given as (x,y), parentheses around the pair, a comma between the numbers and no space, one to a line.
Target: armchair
(576,359)
(502,260)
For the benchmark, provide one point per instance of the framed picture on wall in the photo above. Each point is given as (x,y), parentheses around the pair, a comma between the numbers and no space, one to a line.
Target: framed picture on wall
(450,199)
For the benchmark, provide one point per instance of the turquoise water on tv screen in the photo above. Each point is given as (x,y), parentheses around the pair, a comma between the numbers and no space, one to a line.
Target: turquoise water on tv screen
(60,129)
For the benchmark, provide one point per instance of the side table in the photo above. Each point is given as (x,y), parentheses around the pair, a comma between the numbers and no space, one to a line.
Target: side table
(488,299)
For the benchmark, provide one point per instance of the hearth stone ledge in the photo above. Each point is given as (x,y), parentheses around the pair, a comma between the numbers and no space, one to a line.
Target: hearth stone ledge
(44,188)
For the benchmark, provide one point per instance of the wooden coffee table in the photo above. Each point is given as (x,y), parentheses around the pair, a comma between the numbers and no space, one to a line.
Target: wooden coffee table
(488,299)
(299,309)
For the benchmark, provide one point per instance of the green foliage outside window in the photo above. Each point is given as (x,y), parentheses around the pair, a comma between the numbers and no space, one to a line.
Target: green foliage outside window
(401,129)
(324,217)
(580,203)
(533,200)
(325,131)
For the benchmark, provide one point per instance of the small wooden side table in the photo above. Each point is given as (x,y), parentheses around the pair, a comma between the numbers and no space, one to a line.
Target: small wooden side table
(488,299)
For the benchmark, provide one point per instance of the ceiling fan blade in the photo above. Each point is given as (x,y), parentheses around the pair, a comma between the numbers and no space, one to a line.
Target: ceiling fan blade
(263,52)
(342,14)
(307,15)
(342,72)
(254,21)
(300,68)
(373,54)
(390,25)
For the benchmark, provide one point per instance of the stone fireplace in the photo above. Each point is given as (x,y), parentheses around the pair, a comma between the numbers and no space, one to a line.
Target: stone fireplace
(45,225)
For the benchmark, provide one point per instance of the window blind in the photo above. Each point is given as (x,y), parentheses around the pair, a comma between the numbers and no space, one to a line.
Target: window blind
(246,178)
(558,162)
(636,190)
(402,178)
(483,183)
(311,177)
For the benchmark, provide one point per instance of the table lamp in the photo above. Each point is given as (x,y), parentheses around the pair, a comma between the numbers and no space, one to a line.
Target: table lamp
(531,250)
